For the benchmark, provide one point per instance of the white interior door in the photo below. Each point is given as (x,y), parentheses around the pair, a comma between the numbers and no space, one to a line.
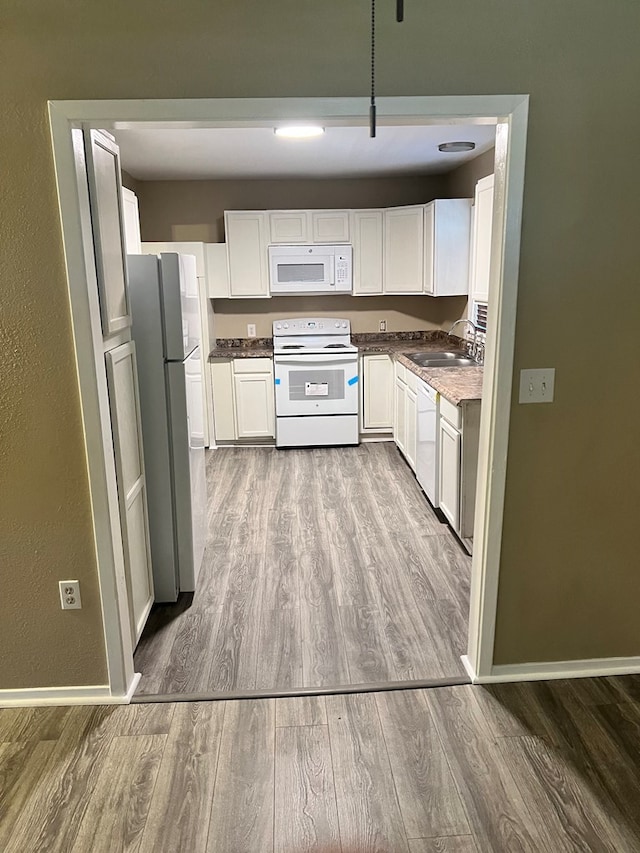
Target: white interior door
(105,194)
(132,496)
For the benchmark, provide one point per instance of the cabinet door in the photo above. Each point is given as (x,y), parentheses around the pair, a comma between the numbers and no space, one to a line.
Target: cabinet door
(377,392)
(429,247)
(247,253)
(330,226)
(254,405)
(411,416)
(124,407)
(289,226)
(450,473)
(131,218)
(366,230)
(481,240)
(105,195)
(403,249)
(400,414)
(224,410)
(217,267)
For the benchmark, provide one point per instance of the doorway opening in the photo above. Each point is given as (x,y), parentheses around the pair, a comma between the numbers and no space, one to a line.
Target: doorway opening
(347,505)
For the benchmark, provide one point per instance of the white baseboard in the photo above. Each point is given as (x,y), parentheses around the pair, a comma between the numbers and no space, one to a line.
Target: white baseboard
(590,668)
(48,696)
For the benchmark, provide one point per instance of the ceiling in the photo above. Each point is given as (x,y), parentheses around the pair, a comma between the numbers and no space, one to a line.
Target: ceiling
(256,152)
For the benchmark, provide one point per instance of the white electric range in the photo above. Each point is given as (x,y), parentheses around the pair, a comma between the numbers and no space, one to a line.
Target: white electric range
(316,382)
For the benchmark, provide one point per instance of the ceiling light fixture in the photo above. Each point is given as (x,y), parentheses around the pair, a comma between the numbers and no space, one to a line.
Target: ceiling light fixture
(303,131)
(456,147)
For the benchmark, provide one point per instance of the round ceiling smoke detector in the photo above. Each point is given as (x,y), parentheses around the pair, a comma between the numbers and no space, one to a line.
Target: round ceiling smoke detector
(304,131)
(456,147)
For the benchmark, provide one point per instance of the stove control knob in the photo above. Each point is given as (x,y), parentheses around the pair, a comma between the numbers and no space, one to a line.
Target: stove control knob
(285,326)
(337,325)
(344,325)
(278,326)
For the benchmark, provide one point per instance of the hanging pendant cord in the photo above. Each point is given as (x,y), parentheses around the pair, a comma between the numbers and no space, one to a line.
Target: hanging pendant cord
(400,11)
(372,108)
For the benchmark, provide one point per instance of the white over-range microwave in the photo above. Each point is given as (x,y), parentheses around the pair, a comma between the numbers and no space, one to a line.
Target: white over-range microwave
(310,269)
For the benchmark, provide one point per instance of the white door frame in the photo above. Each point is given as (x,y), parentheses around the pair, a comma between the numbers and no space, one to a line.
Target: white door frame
(509,112)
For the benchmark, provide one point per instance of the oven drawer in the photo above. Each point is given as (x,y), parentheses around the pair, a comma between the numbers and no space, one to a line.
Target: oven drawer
(316,385)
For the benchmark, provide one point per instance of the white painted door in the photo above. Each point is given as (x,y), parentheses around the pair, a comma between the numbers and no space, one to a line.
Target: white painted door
(105,195)
(131,217)
(403,249)
(289,226)
(377,392)
(411,424)
(400,414)
(247,253)
(481,240)
(254,405)
(330,226)
(366,230)
(450,473)
(124,406)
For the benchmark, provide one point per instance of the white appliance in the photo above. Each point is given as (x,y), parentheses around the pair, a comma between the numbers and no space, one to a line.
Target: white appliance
(310,269)
(316,382)
(164,299)
(427,441)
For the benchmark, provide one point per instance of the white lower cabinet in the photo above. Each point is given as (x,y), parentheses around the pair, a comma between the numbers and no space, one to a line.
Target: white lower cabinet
(377,392)
(254,405)
(459,437)
(243,399)
(450,443)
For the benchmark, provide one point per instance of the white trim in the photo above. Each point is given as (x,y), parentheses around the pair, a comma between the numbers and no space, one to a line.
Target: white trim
(58,696)
(545,671)
(508,111)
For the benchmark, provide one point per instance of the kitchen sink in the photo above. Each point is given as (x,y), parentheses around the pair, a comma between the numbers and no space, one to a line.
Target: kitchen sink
(440,359)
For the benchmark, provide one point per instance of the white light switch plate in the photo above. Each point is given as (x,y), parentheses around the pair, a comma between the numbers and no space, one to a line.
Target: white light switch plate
(536,386)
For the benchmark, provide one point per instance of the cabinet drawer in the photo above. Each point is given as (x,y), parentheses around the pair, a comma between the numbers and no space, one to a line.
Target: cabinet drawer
(451,413)
(411,379)
(252,365)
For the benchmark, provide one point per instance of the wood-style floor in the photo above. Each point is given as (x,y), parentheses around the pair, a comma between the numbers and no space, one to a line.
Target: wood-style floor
(323,567)
(542,768)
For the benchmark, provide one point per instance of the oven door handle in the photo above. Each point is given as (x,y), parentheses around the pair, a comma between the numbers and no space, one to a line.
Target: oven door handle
(317,358)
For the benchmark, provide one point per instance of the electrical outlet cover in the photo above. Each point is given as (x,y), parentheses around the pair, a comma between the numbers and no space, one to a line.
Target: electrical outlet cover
(70,595)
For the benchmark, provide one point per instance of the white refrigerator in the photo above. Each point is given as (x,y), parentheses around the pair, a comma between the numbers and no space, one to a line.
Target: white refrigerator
(165,309)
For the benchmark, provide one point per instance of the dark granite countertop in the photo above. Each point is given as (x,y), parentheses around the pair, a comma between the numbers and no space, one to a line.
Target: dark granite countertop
(457,384)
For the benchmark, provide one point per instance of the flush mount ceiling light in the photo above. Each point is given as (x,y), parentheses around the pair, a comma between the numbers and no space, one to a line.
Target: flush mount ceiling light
(456,147)
(302,131)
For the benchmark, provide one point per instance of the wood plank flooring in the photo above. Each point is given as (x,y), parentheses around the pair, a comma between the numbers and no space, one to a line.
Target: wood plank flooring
(542,767)
(324,567)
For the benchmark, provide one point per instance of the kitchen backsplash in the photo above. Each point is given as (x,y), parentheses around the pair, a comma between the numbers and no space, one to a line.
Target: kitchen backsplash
(401,313)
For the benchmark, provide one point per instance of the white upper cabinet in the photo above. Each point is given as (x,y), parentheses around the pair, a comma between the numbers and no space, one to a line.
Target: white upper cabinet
(217,266)
(330,226)
(105,195)
(447,235)
(403,249)
(246,236)
(366,232)
(289,226)
(131,218)
(481,241)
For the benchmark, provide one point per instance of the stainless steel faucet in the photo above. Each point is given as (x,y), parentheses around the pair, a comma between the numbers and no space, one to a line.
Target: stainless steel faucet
(474,349)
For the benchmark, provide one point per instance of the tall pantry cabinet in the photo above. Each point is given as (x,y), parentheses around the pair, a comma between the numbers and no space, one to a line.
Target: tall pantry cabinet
(106,204)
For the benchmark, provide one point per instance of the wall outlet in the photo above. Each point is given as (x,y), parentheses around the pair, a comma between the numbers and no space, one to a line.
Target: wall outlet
(70,595)
(536,386)
(383,326)
(251,330)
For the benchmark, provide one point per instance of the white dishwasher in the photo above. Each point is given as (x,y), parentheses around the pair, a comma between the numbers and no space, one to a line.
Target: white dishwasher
(427,444)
